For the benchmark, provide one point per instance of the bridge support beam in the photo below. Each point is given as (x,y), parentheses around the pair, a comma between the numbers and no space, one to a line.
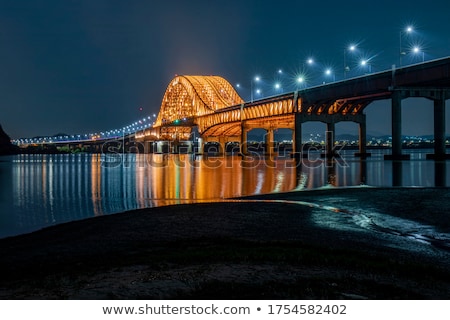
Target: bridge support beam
(269,142)
(329,143)
(200,145)
(297,136)
(396,110)
(158,147)
(439,130)
(244,145)
(146,146)
(222,146)
(439,127)
(362,138)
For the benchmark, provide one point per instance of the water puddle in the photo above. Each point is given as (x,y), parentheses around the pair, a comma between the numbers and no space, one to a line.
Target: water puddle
(370,221)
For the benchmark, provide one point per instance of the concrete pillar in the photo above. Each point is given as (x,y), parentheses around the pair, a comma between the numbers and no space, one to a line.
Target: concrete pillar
(152,147)
(329,142)
(362,139)
(200,145)
(396,110)
(174,146)
(244,146)
(297,136)
(159,146)
(190,147)
(439,128)
(222,145)
(269,142)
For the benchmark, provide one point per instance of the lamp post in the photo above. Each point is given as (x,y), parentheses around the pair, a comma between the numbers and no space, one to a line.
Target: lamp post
(258,92)
(417,50)
(407,30)
(329,73)
(351,48)
(257,78)
(278,87)
(300,81)
(279,80)
(365,63)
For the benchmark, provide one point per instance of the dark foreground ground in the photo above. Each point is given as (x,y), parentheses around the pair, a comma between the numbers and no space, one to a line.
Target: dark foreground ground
(338,244)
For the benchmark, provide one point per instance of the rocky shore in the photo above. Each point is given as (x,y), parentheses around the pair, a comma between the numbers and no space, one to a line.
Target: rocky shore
(354,243)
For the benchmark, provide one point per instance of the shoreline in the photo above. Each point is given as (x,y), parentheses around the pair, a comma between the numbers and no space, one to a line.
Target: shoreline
(292,245)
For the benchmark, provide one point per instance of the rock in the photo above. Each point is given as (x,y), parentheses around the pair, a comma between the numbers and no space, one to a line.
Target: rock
(6,147)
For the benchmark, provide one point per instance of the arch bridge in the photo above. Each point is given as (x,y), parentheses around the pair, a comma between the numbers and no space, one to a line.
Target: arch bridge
(212,105)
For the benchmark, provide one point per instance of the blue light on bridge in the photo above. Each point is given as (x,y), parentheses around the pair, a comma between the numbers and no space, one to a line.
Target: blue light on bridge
(103,135)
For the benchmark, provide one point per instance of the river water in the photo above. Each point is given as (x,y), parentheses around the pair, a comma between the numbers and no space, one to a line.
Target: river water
(43,190)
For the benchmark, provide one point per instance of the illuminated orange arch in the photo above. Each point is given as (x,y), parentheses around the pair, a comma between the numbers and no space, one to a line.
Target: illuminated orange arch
(194,96)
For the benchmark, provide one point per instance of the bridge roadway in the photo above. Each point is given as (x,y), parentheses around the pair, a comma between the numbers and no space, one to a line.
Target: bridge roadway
(329,103)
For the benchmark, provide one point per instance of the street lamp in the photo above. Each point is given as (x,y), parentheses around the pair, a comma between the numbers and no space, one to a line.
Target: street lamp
(300,81)
(365,63)
(278,87)
(351,48)
(407,30)
(329,72)
(417,50)
(257,79)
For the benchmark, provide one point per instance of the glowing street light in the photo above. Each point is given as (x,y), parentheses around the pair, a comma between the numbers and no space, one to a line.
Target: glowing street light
(407,30)
(256,79)
(278,87)
(417,50)
(329,73)
(279,79)
(350,48)
(300,81)
(365,63)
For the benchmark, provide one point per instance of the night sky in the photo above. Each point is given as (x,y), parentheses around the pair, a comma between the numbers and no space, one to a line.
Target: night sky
(86,66)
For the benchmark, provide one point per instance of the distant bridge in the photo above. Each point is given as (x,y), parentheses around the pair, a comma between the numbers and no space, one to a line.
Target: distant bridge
(212,105)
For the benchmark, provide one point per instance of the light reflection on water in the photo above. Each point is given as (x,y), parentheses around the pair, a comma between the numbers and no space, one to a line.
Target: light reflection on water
(42,190)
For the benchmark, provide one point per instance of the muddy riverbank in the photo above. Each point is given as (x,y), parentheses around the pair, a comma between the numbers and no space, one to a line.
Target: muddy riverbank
(323,244)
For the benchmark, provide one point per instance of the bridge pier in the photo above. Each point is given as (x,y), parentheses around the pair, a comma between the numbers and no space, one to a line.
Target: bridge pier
(146,146)
(329,143)
(161,147)
(244,145)
(269,142)
(362,138)
(222,146)
(439,129)
(297,136)
(200,146)
(396,110)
